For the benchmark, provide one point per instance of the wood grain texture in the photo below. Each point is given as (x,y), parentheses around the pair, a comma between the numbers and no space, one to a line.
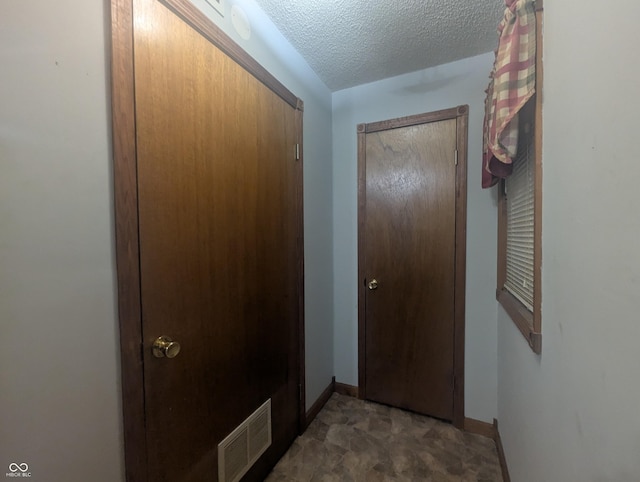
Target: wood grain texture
(520,315)
(218,246)
(460,114)
(126,229)
(247,227)
(362,266)
(410,250)
(194,17)
(462,128)
(414,119)
(299,202)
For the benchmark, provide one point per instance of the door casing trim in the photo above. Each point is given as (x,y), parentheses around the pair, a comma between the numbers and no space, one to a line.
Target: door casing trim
(125,184)
(461,115)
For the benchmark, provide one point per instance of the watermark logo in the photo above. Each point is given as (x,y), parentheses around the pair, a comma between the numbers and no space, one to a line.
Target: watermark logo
(18,470)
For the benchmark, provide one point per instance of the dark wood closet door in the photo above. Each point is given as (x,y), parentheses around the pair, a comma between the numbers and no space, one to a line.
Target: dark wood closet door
(410,267)
(219,256)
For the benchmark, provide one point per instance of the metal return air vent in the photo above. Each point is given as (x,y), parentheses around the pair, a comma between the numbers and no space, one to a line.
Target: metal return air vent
(244,446)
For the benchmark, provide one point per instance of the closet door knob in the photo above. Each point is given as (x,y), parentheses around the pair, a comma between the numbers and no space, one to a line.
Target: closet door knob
(165,347)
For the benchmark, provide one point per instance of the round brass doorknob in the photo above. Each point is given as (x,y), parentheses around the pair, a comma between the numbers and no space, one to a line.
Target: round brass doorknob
(373,284)
(163,346)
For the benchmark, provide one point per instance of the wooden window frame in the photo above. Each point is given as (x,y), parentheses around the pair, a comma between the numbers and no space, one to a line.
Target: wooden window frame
(528,322)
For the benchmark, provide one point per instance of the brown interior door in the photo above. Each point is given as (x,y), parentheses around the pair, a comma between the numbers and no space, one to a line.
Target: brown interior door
(409,264)
(219,259)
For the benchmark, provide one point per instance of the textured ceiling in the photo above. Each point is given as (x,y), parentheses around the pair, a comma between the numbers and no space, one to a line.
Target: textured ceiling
(352,42)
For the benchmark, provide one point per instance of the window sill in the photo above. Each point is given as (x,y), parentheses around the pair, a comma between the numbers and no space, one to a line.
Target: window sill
(522,318)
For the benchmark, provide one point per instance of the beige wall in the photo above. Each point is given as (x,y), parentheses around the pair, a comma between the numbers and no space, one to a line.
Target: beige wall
(571,414)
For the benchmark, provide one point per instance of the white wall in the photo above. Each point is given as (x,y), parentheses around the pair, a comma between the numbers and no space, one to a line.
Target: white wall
(59,383)
(572,413)
(450,85)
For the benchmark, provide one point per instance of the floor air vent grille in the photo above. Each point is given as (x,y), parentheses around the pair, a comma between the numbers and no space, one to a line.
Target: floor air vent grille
(242,447)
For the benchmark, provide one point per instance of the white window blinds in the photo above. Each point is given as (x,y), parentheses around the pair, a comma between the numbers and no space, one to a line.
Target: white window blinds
(519,190)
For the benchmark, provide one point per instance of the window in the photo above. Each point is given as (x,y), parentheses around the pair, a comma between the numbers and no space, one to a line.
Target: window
(520,218)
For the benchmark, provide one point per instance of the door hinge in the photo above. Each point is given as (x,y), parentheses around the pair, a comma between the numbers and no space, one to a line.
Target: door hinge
(300,391)
(297,152)
(456,156)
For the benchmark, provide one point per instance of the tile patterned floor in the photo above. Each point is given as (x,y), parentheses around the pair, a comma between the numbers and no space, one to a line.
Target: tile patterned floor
(354,440)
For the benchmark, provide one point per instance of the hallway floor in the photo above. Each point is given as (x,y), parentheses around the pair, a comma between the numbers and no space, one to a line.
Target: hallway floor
(354,440)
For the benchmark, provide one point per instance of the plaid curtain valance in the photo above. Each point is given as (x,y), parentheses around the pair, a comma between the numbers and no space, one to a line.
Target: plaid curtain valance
(512,84)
